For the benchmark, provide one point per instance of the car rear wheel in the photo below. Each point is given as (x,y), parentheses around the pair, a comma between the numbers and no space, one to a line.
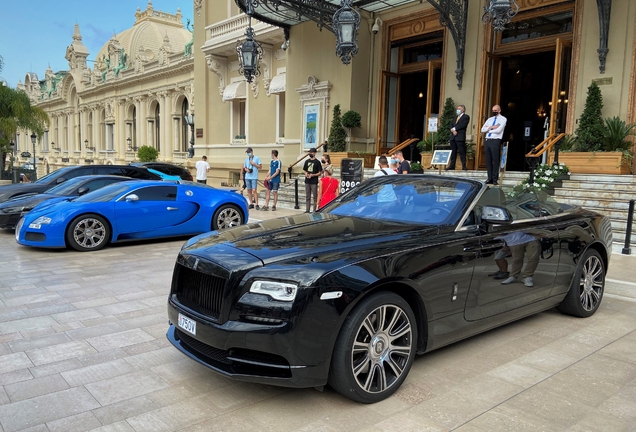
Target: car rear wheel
(375,349)
(588,284)
(88,233)
(227,216)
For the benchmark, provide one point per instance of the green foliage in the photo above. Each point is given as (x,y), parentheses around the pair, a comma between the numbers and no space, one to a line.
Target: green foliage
(147,154)
(351,119)
(448,114)
(426,145)
(616,133)
(337,135)
(544,176)
(470,150)
(416,166)
(568,143)
(589,135)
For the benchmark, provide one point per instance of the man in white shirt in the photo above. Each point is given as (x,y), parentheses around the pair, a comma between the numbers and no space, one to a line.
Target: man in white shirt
(494,129)
(202,170)
(386,194)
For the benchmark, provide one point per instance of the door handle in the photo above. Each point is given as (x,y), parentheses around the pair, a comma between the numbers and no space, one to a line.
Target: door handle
(172,208)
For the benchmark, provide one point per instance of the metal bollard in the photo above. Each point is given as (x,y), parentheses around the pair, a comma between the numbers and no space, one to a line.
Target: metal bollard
(284,177)
(628,234)
(296,194)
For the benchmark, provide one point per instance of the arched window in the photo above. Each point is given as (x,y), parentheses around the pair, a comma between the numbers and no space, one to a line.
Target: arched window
(184,127)
(157,128)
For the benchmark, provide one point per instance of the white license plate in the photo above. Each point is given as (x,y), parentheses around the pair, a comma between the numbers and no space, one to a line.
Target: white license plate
(188,324)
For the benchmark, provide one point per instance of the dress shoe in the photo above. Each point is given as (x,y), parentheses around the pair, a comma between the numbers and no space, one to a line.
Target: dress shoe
(502,276)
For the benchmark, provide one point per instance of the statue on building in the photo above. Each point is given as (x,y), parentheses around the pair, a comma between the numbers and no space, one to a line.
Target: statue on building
(106,61)
(188,46)
(123,62)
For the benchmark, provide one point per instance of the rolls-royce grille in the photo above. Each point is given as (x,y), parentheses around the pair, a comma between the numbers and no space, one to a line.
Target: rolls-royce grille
(199,291)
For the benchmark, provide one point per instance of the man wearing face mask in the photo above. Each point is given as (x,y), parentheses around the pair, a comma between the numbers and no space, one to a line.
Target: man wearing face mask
(458,137)
(494,129)
(312,170)
(251,165)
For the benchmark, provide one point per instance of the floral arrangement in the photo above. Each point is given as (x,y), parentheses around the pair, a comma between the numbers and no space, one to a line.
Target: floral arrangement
(544,176)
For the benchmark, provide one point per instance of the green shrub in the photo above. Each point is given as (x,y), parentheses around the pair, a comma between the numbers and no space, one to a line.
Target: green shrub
(568,143)
(426,145)
(616,133)
(337,135)
(147,154)
(589,135)
(416,166)
(351,119)
(448,114)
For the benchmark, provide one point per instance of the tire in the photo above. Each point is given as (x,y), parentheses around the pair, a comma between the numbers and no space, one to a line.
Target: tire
(588,284)
(378,365)
(227,216)
(88,233)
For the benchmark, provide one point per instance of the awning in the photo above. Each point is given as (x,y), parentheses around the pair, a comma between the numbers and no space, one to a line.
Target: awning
(277,85)
(234,91)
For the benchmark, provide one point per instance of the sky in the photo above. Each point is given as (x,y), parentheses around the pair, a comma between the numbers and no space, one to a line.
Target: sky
(35,33)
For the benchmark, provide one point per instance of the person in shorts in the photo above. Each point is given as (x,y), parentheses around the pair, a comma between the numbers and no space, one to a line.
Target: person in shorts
(251,165)
(272,180)
(502,263)
(202,167)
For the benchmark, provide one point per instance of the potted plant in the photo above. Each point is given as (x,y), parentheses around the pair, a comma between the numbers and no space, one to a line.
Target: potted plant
(426,150)
(416,168)
(470,155)
(351,119)
(445,121)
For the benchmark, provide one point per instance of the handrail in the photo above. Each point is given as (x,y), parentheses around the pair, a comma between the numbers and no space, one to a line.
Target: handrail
(402,145)
(545,145)
(289,168)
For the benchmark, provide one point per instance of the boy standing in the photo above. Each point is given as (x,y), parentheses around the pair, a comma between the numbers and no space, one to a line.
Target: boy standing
(251,165)
(273,180)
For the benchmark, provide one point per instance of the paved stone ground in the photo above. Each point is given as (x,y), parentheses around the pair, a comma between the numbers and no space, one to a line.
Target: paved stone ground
(82,346)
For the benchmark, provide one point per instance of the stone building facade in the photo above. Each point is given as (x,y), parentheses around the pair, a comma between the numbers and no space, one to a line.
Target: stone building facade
(136,93)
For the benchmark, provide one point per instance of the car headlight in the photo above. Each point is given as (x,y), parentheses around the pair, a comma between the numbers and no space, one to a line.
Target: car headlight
(42,220)
(16,209)
(282,291)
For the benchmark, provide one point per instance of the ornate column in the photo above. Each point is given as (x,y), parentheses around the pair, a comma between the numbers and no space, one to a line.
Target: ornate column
(165,125)
(120,123)
(142,130)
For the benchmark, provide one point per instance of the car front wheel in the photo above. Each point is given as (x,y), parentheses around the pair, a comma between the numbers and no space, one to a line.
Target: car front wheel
(88,233)
(227,216)
(588,284)
(375,349)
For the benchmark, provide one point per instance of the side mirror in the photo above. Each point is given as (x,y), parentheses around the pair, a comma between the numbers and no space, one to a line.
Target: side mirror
(131,198)
(495,214)
(83,191)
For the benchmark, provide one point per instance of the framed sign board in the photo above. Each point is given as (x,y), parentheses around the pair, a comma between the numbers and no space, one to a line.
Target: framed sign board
(351,171)
(441,157)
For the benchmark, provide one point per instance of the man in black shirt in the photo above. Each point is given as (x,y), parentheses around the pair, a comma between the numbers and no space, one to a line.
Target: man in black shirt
(403,166)
(312,170)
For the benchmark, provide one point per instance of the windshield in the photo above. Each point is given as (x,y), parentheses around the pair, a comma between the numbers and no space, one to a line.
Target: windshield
(67,188)
(104,194)
(418,200)
(49,176)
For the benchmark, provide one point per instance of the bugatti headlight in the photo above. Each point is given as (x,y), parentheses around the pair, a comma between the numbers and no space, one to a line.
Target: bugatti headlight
(42,220)
(282,291)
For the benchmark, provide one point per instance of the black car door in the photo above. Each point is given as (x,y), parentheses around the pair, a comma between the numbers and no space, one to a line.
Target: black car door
(525,247)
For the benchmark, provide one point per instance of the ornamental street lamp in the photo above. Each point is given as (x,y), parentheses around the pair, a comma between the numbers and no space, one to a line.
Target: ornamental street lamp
(130,146)
(249,52)
(34,138)
(499,13)
(87,146)
(346,23)
(189,120)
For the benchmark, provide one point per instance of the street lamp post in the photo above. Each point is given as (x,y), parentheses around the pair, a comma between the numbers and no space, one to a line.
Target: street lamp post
(15,169)
(189,120)
(87,146)
(34,139)
(499,13)
(130,146)
(346,23)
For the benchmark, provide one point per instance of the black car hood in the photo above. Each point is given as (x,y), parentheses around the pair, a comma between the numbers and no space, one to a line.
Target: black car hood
(317,236)
(8,191)
(30,200)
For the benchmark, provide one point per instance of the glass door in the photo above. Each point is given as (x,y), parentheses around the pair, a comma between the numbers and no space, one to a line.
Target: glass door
(389,112)
(491,92)
(561,87)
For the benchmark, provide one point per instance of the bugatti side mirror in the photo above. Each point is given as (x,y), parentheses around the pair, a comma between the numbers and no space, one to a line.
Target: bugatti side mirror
(131,198)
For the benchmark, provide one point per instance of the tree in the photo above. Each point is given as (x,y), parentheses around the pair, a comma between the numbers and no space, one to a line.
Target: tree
(16,112)
(589,135)
(147,154)
(444,126)
(337,135)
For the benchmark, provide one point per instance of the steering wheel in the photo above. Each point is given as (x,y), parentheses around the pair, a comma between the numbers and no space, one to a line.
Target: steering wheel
(439,209)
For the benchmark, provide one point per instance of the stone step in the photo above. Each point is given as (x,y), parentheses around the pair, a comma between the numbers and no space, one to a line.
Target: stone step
(604,194)
(603,178)
(605,186)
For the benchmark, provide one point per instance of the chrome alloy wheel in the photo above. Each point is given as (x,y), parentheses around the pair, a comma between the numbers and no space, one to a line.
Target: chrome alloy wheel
(591,284)
(228,217)
(89,233)
(381,348)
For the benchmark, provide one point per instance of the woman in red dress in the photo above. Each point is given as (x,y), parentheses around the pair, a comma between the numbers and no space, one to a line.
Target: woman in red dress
(328,188)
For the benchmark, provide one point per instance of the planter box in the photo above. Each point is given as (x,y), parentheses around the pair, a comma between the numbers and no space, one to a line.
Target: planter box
(337,157)
(594,162)
(470,164)
(426,160)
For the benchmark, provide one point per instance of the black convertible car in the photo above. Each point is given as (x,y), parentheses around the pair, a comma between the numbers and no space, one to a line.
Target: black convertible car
(398,266)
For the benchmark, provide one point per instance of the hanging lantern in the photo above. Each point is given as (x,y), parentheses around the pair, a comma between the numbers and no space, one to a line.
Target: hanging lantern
(499,13)
(250,53)
(346,23)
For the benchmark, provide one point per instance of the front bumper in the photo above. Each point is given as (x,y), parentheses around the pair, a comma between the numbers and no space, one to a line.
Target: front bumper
(9,220)
(258,353)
